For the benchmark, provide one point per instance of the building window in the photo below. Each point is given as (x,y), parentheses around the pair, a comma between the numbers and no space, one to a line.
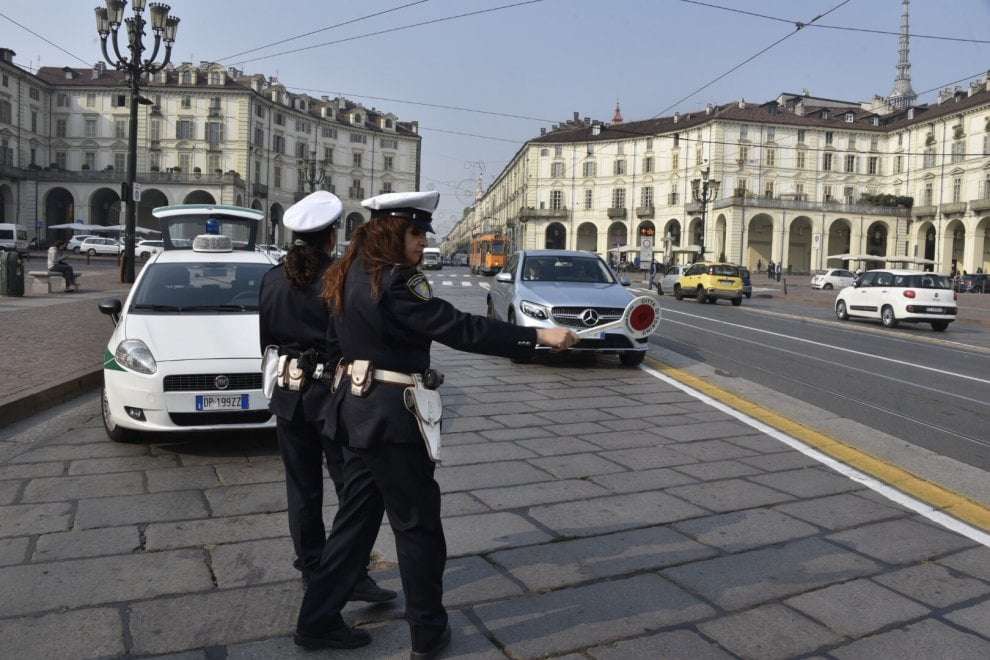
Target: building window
(556,169)
(800,135)
(827,162)
(649,144)
(827,193)
(618,198)
(259,136)
(771,157)
(986,187)
(259,110)
(359,138)
(873,165)
(648,164)
(588,168)
(279,119)
(898,164)
(556,200)
(673,199)
(801,160)
(277,176)
(900,139)
(741,187)
(185,78)
(646,197)
(697,154)
(90,128)
(957,189)
(33,93)
(120,101)
(120,129)
(34,121)
(544,152)
(61,160)
(89,160)
(356,191)
(743,132)
(799,192)
(848,194)
(558,150)
(300,149)
(257,170)
(6,80)
(328,155)
(958,151)
(386,186)
(677,140)
(185,162)
(768,190)
(849,117)
(184,129)
(986,145)
(186,102)
(34,156)
(329,132)
(62,100)
(875,143)
(675,161)
(61,129)
(5,112)
(214,132)
(590,149)
(852,141)
(619,167)
(929,159)
(929,196)
(389,163)
(390,143)
(829,136)
(119,162)
(850,163)
(620,148)
(743,154)
(588,198)
(356,159)
(155,161)
(771,133)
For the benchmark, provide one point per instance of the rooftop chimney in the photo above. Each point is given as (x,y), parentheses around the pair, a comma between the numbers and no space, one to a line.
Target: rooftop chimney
(577,117)
(543,131)
(709,108)
(677,117)
(596,129)
(98,70)
(742,104)
(7,55)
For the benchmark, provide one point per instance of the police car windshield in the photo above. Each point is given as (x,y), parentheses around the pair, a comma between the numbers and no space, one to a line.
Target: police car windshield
(566,269)
(199,288)
(183,229)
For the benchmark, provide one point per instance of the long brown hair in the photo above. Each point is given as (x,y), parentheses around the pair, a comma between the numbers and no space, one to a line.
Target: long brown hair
(303,261)
(380,244)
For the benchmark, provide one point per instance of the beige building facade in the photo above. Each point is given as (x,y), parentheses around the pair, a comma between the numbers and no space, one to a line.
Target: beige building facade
(210,134)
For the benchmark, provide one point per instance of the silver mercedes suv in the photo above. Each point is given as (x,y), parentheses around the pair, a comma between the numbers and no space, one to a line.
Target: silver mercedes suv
(571,289)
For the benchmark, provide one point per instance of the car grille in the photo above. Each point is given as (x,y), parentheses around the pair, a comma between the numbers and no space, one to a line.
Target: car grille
(218,418)
(207,382)
(571,316)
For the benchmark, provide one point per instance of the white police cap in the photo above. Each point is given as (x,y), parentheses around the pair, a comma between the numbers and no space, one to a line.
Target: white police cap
(419,206)
(313,212)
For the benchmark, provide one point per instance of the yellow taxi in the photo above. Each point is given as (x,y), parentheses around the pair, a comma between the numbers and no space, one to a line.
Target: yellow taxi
(707,282)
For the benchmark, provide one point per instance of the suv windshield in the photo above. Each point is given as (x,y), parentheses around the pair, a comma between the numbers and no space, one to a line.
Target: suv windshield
(566,269)
(199,287)
(927,281)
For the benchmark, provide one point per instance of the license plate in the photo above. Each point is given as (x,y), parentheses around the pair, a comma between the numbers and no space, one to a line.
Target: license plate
(934,310)
(221,402)
(726,282)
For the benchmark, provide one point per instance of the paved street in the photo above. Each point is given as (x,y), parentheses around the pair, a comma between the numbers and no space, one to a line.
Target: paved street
(589,510)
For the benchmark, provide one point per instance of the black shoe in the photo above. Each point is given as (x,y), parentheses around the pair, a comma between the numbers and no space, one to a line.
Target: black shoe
(366,591)
(435,649)
(343,637)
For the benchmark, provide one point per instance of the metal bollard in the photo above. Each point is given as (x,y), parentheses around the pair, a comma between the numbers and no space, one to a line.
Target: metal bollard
(785,286)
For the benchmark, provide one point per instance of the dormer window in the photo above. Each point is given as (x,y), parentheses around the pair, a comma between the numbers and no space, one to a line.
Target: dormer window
(216,77)
(388,123)
(849,117)
(825,114)
(186,78)
(356,118)
(875,121)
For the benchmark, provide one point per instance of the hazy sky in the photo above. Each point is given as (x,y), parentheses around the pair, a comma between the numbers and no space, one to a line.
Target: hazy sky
(544,60)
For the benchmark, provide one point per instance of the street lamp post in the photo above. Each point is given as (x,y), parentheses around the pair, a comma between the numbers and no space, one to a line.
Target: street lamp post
(108,21)
(704,191)
(312,171)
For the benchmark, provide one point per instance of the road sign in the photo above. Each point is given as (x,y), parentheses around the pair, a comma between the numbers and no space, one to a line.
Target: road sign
(137,192)
(645,251)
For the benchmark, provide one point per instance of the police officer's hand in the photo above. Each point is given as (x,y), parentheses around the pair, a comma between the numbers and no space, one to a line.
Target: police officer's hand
(559,339)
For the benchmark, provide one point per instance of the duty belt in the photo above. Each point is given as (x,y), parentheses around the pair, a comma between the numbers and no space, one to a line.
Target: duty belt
(384,376)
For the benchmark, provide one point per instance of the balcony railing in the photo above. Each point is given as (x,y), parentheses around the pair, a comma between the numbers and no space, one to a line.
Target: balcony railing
(536,214)
(645,212)
(356,193)
(693,206)
(954,208)
(117,176)
(214,147)
(980,204)
(925,211)
(801,205)
(616,212)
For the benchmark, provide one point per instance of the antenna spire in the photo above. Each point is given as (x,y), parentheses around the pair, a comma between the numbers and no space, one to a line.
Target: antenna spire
(903,94)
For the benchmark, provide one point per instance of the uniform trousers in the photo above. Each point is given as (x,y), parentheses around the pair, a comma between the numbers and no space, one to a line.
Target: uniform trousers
(399,479)
(303,449)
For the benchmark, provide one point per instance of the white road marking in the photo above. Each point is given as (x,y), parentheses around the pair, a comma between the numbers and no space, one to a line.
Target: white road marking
(447,283)
(485,285)
(833,347)
(465,284)
(872,483)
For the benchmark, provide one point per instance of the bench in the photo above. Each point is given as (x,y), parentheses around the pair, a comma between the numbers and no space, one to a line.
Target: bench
(43,281)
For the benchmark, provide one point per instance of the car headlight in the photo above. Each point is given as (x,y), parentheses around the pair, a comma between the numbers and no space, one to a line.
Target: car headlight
(533,310)
(136,356)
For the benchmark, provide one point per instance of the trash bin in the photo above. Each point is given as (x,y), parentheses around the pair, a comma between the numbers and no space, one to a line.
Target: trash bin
(11,274)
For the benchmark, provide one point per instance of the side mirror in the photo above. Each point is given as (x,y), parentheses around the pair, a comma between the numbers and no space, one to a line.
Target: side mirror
(624,281)
(856,283)
(504,277)
(111,307)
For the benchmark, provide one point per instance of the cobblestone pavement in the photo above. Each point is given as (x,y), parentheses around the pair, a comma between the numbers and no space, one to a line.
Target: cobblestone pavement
(588,509)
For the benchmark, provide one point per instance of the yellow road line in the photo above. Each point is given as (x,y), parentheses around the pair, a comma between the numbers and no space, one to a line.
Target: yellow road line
(938,497)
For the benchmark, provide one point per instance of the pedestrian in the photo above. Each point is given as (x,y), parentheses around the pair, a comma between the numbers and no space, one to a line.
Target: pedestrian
(385,317)
(780,268)
(294,318)
(770,269)
(57,264)
(759,265)
(653,274)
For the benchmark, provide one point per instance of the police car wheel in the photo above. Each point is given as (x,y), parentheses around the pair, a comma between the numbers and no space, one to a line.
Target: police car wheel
(114,432)
(632,358)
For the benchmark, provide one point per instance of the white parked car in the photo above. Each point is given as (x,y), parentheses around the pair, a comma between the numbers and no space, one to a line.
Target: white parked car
(148,248)
(185,355)
(833,278)
(665,282)
(76,241)
(274,251)
(96,245)
(899,296)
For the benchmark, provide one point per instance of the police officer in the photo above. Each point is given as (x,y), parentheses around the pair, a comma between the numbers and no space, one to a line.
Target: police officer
(294,317)
(385,317)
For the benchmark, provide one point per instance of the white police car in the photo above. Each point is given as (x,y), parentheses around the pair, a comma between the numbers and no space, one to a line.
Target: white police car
(185,355)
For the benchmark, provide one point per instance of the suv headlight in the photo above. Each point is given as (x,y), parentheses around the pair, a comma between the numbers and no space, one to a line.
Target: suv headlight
(136,356)
(533,310)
